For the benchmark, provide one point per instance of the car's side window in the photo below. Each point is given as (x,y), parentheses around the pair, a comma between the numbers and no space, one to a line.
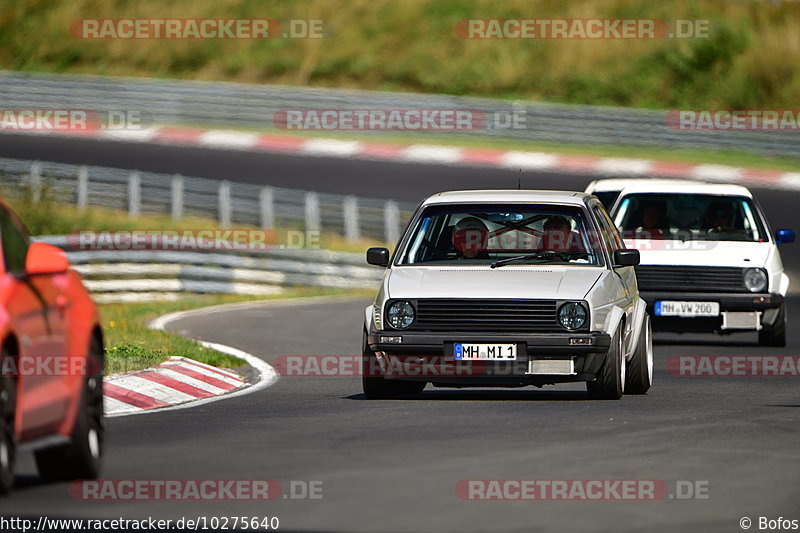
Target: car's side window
(610,236)
(14,241)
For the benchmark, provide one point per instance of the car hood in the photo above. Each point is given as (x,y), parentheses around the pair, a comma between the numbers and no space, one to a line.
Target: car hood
(565,282)
(702,253)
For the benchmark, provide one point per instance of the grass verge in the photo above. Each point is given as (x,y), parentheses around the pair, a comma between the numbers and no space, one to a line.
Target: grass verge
(132,345)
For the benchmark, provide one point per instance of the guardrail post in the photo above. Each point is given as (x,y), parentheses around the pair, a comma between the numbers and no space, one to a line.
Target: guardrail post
(176,190)
(266,205)
(82,199)
(134,194)
(224,204)
(391,222)
(312,215)
(35,181)
(350,212)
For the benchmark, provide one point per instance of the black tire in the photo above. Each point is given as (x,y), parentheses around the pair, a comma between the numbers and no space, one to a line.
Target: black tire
(82,457)
(639,371)
(8,413)
(775,335)
(610,381)
(378,387)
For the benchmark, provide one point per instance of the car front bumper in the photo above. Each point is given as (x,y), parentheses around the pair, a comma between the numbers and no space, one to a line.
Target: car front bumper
(428,356)
(766,306)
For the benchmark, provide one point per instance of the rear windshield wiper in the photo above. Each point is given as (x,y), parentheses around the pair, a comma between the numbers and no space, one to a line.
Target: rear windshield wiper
(564,256)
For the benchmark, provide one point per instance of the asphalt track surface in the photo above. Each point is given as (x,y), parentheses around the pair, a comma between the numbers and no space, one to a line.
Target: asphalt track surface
(394,465)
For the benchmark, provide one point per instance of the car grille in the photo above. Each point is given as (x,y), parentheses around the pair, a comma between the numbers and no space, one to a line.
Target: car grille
(486,315)
(689,279)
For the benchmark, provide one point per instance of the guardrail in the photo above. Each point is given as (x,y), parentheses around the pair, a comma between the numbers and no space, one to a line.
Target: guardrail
(231,203)
(131,275)
(237,105)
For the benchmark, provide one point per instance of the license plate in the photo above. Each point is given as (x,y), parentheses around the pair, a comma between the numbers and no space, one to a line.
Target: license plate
(687,309)
(485,352)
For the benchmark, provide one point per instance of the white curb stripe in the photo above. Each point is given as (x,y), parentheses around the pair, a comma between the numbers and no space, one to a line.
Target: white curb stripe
(228,139)
(528,160)
(716,173)
(790,180)
(152,389)
(143,135)
(423,153)
(331,147)
(188,380)
(624,167)
(221,374)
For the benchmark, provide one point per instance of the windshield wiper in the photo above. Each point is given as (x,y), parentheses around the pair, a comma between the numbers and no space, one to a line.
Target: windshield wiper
(564,256)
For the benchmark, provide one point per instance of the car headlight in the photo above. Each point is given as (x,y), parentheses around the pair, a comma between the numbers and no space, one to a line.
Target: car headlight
(400,314)
(755,280)
(572,316)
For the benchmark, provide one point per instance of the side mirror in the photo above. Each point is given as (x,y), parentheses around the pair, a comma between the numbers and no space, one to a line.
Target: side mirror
(378,257)
(782,236)
(45,258)
(626,258)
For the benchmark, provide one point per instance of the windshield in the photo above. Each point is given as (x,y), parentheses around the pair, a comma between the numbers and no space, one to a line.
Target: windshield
(689,217)
(481,235)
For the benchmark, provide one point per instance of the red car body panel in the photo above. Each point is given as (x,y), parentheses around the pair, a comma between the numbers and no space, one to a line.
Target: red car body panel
(47,316)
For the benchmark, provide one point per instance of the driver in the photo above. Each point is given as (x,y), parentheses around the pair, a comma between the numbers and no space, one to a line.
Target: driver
(558,235)
(471,238)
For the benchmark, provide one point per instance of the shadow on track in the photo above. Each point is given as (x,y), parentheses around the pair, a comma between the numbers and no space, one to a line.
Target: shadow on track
(489,395)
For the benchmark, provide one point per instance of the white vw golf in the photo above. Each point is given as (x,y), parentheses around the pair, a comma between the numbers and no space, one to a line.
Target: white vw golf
(709,262)
(508,288)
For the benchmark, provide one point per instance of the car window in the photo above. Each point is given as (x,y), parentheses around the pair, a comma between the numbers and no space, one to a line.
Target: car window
(482,234)
(687,216)
(612,240)
(14,240)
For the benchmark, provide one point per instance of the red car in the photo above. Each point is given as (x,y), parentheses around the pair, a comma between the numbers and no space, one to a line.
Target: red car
(51,356)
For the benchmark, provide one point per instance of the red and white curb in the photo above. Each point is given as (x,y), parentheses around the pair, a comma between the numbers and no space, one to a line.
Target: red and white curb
(446,155)
(179,382)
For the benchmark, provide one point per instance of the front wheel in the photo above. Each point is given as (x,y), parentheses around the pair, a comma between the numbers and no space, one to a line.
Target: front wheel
(776,335)
(377,387)
(82,457)
(639,374)
(610,381)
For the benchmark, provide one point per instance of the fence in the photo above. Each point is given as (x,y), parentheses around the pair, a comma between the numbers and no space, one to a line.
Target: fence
(132,275)
(236,105)
(231,203)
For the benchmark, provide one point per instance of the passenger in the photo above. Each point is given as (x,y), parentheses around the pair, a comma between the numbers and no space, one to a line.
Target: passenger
(718,217)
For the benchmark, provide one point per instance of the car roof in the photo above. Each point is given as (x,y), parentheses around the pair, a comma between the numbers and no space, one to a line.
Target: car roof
(507,196)
(617,184)
(688,187)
